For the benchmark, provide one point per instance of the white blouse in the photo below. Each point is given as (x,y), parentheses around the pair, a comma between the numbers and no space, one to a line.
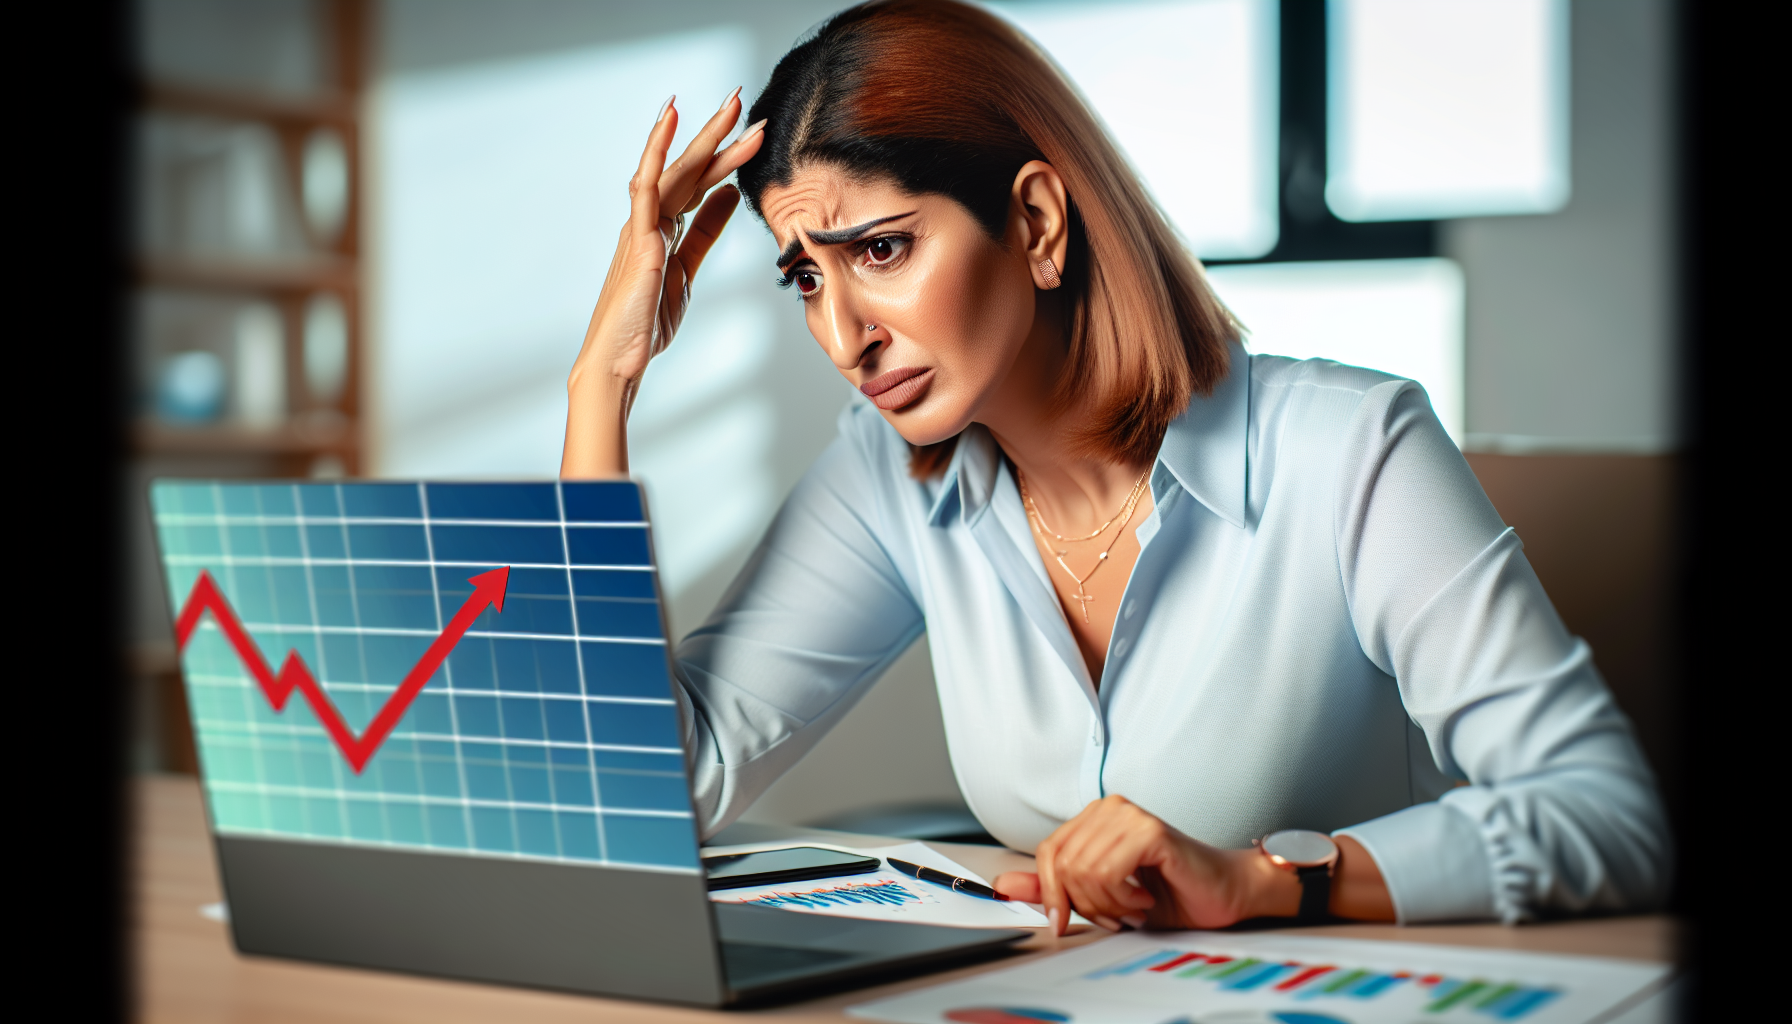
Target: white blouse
(1328,627)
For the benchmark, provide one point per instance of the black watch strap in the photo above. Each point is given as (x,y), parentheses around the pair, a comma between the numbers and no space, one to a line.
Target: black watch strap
(1315,894)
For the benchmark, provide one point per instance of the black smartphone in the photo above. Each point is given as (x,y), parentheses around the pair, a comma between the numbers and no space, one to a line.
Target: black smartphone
(796,864)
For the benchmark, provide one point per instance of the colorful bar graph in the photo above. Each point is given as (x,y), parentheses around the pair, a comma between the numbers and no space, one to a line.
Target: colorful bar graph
(1505,1000)
(891,893)
(1301,977)
(1255,976)
(1125,967)
(1233,968)
(1213,966)
(1524,1002)
(1375,985)
(1175,962)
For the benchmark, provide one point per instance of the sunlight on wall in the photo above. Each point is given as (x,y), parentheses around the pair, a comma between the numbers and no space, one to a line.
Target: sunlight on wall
(701,432)
(1403,317)
(1189,90)
(502,186)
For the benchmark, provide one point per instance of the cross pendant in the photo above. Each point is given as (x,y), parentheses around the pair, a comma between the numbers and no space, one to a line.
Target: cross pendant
(1084,599)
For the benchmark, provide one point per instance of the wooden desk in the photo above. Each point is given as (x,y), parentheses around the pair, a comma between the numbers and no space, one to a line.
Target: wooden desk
(187,970)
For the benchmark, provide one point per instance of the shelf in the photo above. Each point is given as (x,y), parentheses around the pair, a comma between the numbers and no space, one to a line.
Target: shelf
(303,436)
(187,99)
(255,274)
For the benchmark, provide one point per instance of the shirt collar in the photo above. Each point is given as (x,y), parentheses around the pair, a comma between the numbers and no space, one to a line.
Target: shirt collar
(1205,449)
(970,478)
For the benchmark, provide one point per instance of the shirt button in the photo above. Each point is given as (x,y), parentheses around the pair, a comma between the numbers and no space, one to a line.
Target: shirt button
(1131,606)
(1120,648)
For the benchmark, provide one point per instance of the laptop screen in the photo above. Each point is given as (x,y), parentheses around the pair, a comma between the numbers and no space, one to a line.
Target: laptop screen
(352,678)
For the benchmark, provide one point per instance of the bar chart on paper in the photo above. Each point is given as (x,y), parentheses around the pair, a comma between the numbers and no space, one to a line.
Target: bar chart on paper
(1208,978)
(847,894)
(883,894)
(478,668)
(1325,983)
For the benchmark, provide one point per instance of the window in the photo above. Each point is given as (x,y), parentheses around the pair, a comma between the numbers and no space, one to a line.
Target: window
(1456,109)
(1189,91)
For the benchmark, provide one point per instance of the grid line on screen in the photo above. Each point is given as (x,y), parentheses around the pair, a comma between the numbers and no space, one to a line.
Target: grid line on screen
(466,807)
(603,845)
(548,732)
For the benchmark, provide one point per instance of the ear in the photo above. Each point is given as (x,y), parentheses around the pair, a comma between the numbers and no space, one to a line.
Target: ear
(1040,220)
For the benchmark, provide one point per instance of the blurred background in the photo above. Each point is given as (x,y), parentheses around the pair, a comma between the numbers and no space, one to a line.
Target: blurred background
(368,235)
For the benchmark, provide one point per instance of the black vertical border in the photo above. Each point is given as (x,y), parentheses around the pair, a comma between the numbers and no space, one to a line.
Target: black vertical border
(1733,670)
(65,404)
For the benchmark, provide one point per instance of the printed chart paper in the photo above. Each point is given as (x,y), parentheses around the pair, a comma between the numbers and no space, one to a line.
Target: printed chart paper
(1220,978)
(885,894)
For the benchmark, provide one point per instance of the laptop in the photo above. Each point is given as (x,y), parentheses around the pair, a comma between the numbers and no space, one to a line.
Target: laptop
(437,734)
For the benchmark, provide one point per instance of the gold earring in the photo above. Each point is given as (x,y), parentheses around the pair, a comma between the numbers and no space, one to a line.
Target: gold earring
(1048,272)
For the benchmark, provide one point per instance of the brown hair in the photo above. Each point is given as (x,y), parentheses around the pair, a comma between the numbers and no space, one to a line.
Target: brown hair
(947,99)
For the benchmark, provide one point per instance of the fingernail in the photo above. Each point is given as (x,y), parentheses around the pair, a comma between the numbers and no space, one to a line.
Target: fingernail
(1134,921)
(728,97)
(661,116)
(753,129)
(1107,922)
(1052,916)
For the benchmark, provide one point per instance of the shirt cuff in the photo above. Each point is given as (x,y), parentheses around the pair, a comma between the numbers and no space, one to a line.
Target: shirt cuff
(1434,861)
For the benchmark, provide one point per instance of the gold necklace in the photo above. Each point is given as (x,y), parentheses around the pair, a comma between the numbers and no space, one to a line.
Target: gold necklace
(1124,516)
(1132,499)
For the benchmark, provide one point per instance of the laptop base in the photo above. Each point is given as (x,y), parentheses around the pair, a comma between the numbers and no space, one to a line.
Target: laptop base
(596,930)
(772,955)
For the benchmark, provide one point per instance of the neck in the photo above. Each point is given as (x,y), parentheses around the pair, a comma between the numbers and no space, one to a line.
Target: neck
(1074,491)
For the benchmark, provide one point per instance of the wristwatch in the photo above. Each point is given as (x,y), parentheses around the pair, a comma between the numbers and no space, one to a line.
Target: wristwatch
(1311,856)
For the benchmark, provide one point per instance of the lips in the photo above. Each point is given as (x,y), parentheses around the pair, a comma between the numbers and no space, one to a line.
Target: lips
(897,388)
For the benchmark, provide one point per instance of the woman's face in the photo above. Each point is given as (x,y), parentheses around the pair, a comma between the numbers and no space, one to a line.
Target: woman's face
(911,299)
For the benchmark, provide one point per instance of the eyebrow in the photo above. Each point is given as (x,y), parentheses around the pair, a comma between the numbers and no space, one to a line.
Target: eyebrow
(838,236)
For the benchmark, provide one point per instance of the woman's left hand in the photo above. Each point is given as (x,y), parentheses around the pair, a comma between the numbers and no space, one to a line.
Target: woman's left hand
(1118,863)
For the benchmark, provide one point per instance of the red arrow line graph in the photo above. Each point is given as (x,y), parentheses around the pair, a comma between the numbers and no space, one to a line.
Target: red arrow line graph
(488,588)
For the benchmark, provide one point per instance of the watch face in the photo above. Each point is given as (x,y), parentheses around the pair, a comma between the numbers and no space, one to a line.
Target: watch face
(1300,847)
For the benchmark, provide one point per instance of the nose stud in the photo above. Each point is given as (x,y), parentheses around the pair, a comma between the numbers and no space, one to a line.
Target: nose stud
(871,327)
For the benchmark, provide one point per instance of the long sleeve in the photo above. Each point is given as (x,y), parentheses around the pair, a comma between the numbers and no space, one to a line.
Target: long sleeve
(1559,813)
(815,617)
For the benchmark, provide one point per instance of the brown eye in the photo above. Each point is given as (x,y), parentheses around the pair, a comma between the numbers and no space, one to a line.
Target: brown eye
(881,250)
(806,282)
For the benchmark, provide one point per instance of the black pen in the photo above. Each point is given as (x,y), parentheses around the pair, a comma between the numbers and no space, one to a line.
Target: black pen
(953,882)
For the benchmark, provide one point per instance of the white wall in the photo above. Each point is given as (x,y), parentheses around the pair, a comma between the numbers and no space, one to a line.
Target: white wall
(1571,316)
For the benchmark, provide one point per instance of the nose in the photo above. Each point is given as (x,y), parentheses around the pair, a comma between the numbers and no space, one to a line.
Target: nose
(847,341)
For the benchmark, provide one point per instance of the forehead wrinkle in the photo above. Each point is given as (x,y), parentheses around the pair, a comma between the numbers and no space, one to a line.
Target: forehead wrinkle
(805,195)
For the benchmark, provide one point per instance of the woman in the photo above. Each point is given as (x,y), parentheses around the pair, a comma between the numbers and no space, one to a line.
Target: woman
(1177,596)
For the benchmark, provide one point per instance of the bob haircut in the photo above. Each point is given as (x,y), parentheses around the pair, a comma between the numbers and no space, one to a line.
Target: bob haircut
(947,99)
